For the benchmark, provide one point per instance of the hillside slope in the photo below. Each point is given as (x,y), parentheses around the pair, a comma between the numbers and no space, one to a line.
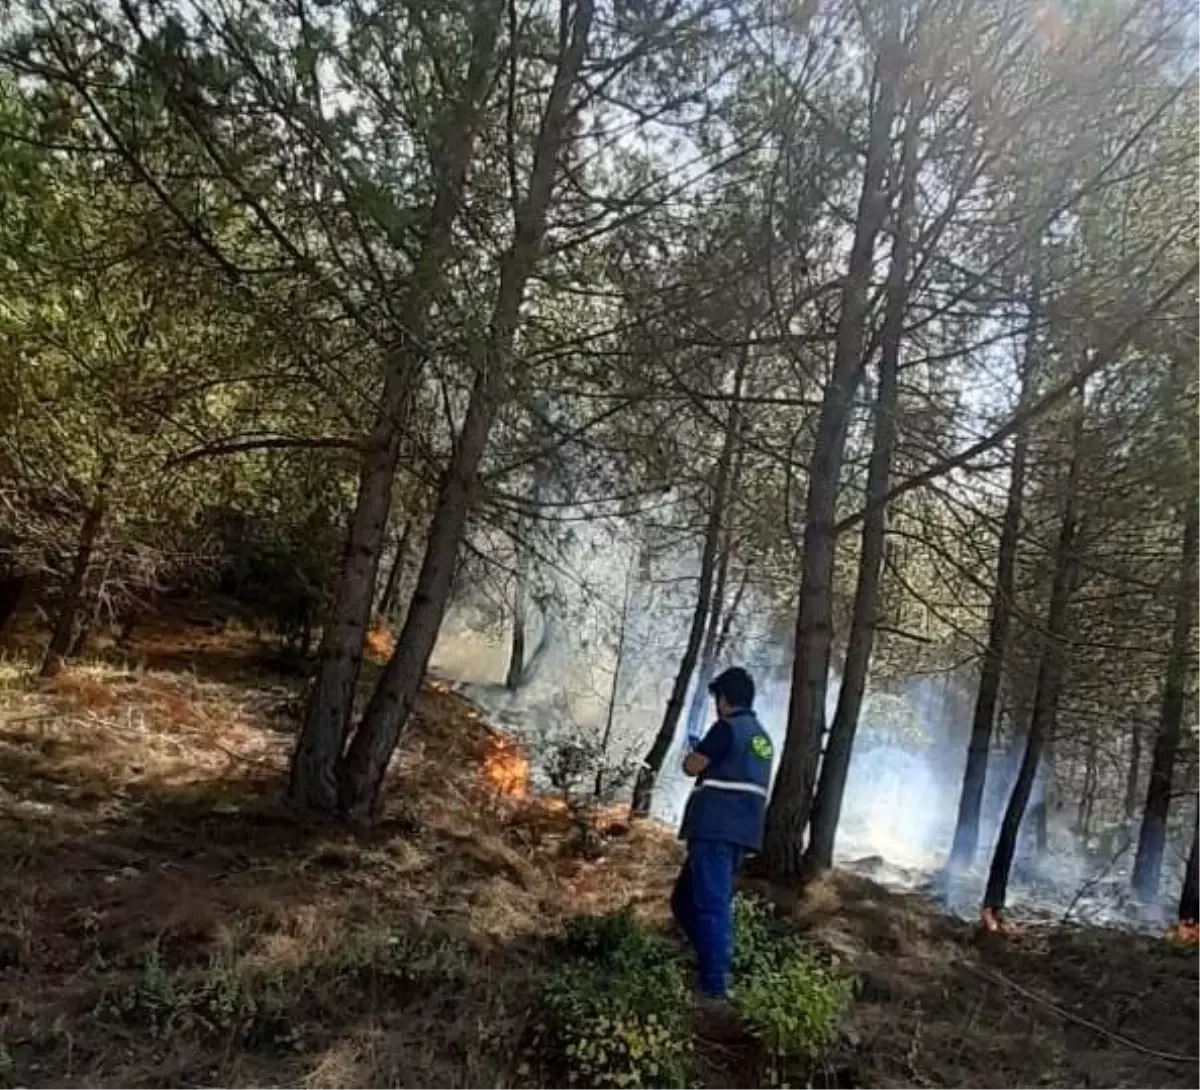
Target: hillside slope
(143,844)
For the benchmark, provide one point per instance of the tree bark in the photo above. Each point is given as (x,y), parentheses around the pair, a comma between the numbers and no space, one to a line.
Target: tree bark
(970,803)
(516,658)
(610,714)
(62,638)
(719,621)
(11,589)
(1051,670)
(370,750)
(1087,797)
(643,789)
(1132,771)
(391,586)
(313,778)
(1147,864)
(788,812)
(1189,897)
(835,766)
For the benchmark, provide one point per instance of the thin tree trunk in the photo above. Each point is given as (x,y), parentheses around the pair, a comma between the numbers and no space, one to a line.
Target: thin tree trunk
(516,658)
(719,621)
(611,713)
(370,750)
(313,777)
(1087,798)
(1147,864)
(1132,771)
(63,636)
(788,812)
(970,802)
(11,590)
(1189,897)
(391,587)
(643,788)
(1049,687)
(835,767)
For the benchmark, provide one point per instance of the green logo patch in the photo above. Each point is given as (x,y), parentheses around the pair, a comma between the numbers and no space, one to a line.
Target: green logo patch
(760,746)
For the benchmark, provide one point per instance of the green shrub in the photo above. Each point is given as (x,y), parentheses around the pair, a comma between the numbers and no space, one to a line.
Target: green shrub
(756,937)
(370,968)
(221,1001)
(789,998)
(615,1012)
(265,1006)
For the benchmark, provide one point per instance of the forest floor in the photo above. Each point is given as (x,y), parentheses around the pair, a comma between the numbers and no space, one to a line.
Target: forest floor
(142,843)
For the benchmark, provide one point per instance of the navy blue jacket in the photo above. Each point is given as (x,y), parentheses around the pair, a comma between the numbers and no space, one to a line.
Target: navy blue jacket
(729,801)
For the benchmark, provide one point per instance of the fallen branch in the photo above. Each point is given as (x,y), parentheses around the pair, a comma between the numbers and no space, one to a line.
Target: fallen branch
(996,977)
(1091,883)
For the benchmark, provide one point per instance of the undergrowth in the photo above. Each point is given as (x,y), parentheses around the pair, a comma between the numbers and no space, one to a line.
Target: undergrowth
(614,1012)
(790,998)
(236,1000)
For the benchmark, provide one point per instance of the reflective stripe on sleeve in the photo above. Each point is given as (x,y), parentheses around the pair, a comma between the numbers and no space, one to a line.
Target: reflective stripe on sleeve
(733,785)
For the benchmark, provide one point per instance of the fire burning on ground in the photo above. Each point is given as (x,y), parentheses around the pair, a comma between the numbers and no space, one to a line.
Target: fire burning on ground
(1186,932)
(991,922)
(506,767)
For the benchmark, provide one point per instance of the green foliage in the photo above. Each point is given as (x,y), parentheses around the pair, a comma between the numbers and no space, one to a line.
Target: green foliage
(615,1013)
(221,1001)
(791,1001)
(267,1005)
(756,937)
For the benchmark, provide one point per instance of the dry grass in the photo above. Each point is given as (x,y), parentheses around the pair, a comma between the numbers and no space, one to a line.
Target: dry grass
(138,812)
(930,1010)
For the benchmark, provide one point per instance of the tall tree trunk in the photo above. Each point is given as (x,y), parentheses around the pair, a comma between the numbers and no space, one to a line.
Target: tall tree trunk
(1132,771)
(516,658)
(835,767)
(788,812)
(391,586)
(991,673)
(516,655)
(11,590)
(387,712)
(720,620)
(63,636)
(313,778)
(1189,897)
(1147,864)
(610,714)
(1051,669)
(1087,797)
(643,788)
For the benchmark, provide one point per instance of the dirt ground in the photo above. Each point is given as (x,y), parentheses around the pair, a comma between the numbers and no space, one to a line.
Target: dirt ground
(138,811)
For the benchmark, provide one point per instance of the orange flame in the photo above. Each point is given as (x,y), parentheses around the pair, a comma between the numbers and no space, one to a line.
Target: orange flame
(991,922)
(380,642)
(1187,932)
(506,768)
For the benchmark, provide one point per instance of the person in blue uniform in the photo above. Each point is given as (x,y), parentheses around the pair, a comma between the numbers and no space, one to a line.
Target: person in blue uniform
(722,822)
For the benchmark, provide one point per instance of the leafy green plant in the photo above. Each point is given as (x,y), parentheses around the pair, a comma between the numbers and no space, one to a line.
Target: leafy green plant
(267,1006)
(756,937)
(394,964)
(221,1001)
(789,998)
(615,1014)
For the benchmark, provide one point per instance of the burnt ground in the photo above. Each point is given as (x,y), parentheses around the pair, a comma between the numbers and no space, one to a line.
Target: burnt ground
(138,811)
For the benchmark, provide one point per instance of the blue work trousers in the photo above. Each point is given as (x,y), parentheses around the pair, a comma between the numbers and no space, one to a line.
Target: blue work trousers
(703,906)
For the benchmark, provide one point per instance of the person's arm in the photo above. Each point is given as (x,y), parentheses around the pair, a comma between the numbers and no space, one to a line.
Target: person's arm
(714,745)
